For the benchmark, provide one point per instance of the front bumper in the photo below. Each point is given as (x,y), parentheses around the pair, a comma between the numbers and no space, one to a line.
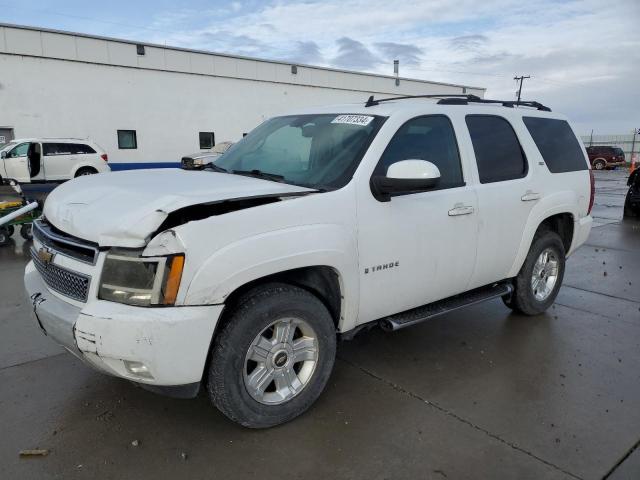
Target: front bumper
(172,342)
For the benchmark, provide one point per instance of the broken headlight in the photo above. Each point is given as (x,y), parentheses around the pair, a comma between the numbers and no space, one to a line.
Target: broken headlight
(140,281)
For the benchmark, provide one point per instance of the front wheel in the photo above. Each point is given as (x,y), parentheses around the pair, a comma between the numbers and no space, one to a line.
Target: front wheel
(538,282)
(273,356)
(599,164)
(26,231)
(4,236)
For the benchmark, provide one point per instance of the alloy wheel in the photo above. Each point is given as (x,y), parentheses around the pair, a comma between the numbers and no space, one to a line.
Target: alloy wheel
(280,361)
(545,274)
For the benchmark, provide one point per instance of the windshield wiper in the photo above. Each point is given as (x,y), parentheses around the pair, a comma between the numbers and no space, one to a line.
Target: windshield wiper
(260,174)
(215,167)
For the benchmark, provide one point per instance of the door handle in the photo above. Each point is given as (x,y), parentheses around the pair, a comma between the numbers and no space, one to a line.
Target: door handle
(530,196)
(460,209)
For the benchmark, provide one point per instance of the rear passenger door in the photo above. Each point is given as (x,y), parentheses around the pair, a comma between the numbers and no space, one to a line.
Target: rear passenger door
(506,195)
(58,160)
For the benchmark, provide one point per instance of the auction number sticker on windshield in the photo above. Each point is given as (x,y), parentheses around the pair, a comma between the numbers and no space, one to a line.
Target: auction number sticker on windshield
(353,119)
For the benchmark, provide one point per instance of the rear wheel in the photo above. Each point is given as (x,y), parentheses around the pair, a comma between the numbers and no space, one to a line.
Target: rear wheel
(86,171)
(629,211)
(538,282)
(599,164)
(273,356)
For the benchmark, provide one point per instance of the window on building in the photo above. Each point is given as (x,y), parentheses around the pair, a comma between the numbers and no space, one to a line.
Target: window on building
(557,144)
(499,155)
(207,140)
(428,138)
(127,140)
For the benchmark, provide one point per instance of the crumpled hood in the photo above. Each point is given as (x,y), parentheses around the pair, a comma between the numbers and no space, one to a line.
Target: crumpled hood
(124,208)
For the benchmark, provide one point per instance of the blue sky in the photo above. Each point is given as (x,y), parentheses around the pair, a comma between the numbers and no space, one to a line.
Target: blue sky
(583,55)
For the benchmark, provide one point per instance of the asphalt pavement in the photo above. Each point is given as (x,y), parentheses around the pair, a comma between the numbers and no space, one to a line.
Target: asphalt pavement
(477,393)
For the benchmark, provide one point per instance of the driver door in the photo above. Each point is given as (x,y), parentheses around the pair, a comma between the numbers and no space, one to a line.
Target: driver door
(418,247)
(16,163)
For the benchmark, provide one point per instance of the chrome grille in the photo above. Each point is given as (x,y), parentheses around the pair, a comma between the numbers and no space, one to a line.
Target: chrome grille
(64,244)
(71,284)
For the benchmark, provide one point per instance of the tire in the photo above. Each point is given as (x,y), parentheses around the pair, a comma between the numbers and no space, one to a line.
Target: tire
(527,298)
(629,212)
(4,236)
(232,373)
(26,231)
(85,171)
(599,164)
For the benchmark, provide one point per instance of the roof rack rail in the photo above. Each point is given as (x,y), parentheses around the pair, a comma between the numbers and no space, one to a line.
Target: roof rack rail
(461,99)
(376,101)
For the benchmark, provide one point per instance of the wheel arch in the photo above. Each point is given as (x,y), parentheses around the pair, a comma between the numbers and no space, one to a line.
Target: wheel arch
(322,281)
(81,166)
(560,220)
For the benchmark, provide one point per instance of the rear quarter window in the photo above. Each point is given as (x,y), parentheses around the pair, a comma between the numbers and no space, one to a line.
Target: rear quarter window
(557,144)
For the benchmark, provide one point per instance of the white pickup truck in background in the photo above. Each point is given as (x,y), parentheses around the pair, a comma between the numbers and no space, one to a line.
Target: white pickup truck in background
(241,277)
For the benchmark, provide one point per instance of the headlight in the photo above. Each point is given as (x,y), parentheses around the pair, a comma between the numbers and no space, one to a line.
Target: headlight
(134,280)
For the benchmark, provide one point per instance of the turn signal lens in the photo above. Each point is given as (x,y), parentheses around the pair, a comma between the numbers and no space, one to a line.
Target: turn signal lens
(172,283)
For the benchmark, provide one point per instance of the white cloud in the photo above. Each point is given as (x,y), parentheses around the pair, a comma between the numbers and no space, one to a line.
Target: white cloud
(583,55)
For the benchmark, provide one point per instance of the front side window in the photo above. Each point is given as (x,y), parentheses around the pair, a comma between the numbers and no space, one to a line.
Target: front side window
(19,151)
(557,144)
(428,138)
(317,151)
(499,155)
(127,140)
(207,140)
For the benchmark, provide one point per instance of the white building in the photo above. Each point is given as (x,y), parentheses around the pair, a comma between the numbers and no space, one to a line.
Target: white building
(61,84)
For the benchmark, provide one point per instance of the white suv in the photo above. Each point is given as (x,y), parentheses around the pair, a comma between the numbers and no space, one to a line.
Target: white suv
(241,277)
(51,159)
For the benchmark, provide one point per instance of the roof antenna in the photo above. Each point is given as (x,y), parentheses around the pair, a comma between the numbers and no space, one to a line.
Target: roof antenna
(396,71)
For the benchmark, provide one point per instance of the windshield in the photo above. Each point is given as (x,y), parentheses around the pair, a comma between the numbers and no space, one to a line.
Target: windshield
(316,151)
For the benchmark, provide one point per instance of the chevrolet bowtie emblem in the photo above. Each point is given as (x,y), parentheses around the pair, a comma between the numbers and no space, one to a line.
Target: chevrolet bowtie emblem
(45,255)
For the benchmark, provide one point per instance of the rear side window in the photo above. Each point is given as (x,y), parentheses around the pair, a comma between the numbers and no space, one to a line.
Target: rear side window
(558,145)
(51,149)
(81,149)
(498,152)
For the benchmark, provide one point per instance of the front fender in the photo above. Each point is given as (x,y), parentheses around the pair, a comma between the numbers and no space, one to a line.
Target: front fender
(258,256)
(549,205)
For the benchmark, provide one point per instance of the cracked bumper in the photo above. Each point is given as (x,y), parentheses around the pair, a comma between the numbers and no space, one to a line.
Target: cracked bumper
(172,342)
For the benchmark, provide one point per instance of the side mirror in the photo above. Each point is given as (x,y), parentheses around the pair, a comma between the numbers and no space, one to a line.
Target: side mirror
(405,176)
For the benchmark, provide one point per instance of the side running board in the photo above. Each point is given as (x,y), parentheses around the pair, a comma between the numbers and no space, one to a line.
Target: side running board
(427,312)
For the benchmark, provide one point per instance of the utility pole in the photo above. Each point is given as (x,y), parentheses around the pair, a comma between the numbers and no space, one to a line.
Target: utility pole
(396,71)
(591,138)
(521,79)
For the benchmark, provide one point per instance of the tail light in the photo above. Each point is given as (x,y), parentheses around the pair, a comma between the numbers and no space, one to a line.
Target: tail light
(592,180)
(105,157)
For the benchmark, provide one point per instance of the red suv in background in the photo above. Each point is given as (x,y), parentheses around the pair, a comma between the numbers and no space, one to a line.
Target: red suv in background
(602,157)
